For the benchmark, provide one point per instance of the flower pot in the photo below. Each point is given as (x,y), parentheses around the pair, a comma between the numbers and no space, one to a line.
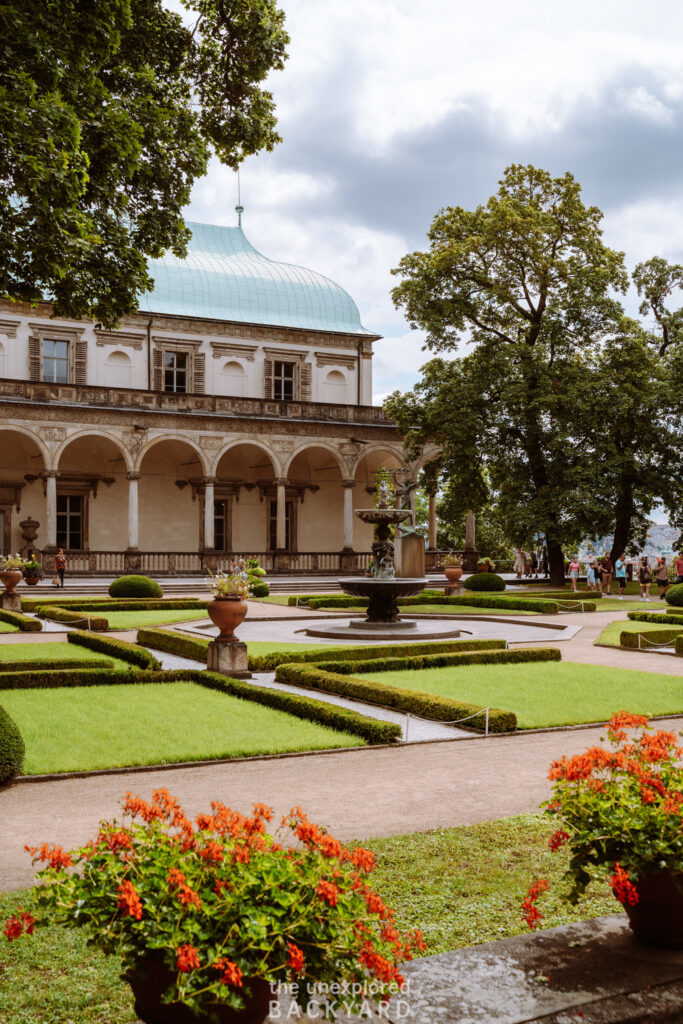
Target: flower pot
(657,917)
(227,613)
(32,580)
(453,573)
(154,978)
(483,567)
(9,579)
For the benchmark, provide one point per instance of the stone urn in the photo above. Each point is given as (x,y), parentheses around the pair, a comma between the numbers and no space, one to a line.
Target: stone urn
(9,579)
(154,978)
(31,581)
(453,573)
(227,613)
(657,917)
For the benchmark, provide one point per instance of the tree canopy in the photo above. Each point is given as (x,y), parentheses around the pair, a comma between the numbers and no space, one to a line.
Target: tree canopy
(109,112)
(554,410)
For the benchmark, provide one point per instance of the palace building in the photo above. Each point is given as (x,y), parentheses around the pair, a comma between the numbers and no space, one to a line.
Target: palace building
(231,416)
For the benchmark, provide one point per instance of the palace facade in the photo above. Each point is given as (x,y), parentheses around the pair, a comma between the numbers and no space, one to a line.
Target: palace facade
(231,416)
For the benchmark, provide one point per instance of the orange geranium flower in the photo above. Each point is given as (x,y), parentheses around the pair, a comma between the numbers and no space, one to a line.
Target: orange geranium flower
(295,958)
(129,900)
(230,972)
(188,958)
(328,892)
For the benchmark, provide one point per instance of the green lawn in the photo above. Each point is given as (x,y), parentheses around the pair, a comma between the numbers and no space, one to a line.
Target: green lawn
(611,633)
(547,693)
(151,617)
(159,723)
(54,652)
(6,628)
(460,886)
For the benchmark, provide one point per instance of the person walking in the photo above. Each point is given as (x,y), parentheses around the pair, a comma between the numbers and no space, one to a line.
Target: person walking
(591,577)
(678,566)
(519,563)
(574,569)
(620,576)
(60,565)
(644,578)
(661,575)
(607,570)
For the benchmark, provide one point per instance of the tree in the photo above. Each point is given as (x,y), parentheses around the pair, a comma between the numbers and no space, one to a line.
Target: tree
(526,281)
(656,279)
(109,112)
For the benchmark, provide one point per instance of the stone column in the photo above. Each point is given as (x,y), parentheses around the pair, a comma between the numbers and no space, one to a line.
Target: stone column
(348,486)
(431,530)
(51,499)
(209,539)
(133,515)
(470,543)
(280,529)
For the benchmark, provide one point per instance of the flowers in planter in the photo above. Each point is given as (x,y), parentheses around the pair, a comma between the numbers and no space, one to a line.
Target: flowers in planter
(452,562)
(487,561)
(229,584)
(33,568)
(10,562)
(619,808)
(221,903)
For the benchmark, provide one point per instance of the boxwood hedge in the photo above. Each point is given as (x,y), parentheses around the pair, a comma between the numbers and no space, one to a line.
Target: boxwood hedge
(475,601)
(456,658)
(653,636)
(674,595)
(484,581)
(55,614)
(115,648)
(424,705)
(49,679)
(678,644)
(669,618)
(175,643)
(22,622)
(120,604)
(11,747)
(51,666)
(134,586)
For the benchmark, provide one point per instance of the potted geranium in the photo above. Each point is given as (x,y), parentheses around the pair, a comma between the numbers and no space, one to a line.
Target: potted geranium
(620,811)
(11,571)
(229,605)
(207,915)
(452,568)
(32,572)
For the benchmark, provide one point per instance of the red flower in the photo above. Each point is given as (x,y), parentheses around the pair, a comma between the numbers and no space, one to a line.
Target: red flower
(363,859)
(188,958)
(212,852)
(230,972)
(129,900)
(530,911)
(175,877)
(54,856)
(328,892)
(12,929)
(622,888)
(558,839)
(28,921)
(295,958)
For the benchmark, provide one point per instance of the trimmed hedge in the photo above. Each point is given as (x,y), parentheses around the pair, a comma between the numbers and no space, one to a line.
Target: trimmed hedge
(11,748)
(424,705)
(257,588)
(678,644)
(122,604)
(674,595)
(566,595)
(175,643)
(57,663)
(268,662)
(47,611)
(657,636)
(49,680)
(476,601)
(135,586)
(569,606)
(121,649)
(475,657)
(484,581)
(22,622)
(672,619)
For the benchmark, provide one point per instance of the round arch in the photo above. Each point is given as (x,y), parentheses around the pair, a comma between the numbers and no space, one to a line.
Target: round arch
(378,454)
(100,435)
(179,438)
(310,446)
(23,458)
(429,455)
(31,436)
(253,443)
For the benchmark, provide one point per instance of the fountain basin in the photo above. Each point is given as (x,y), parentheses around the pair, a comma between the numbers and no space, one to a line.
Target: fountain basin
(383,597)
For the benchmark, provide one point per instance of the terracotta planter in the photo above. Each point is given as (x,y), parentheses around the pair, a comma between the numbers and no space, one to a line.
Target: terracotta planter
(9,579)
(227,613)
(483,567)
(453,573)
(32,580)
(154,979)
(657,917)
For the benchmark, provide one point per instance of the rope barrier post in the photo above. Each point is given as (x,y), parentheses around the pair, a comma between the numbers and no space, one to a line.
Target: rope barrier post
(405,736)
(487,722)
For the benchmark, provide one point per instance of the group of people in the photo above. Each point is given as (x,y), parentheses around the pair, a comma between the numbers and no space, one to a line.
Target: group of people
(601,573)
(530,563)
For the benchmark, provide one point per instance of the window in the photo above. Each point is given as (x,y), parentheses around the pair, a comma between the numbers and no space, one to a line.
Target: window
(283,381)
(220,522)
(70,521)
(175,371)
(289,519)
(56,361)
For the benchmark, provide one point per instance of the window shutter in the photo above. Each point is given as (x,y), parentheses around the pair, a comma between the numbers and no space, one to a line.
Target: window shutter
(158,365)
(306,379)
(268,378)
(80,362)
(199,373)
(34,359)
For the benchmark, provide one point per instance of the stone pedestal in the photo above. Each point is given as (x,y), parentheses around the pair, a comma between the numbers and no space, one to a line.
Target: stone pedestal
(412,557)
(230,659)
(454,590)
(10,602)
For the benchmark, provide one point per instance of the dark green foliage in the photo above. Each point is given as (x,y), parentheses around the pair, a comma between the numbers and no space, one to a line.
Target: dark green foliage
(257,588)
(570,606)
(268,662)
(653,636)
(84,618)
(431,597)
(135,586)
(49,679)
(674,595)
(175,643)
(424,705)
(484,581)
(456,659)
(116,648)
(566,595)
(51,666)
(672,619)
(22,622)
(130,604)
(11,748)
(678,645)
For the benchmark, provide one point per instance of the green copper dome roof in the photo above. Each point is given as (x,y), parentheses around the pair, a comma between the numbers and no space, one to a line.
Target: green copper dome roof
(224,278)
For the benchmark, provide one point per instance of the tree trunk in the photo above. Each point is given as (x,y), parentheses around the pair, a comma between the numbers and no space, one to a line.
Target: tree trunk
(556,563)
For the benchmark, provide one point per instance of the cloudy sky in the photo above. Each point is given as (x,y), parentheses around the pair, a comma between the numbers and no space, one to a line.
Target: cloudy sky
(389,112)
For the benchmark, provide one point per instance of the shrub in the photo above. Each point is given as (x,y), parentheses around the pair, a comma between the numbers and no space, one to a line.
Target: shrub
(674,595)
(653,636)
(115,648)
(257,588)
(678,644)
(83,618)
(124,604)
(22,622)
(56,663)
(175,643)
(484,581)
(50,679)
(455,658)
(135,586)
(437,597)
(674,619)
(11,748)
(268,662)
(424,705)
